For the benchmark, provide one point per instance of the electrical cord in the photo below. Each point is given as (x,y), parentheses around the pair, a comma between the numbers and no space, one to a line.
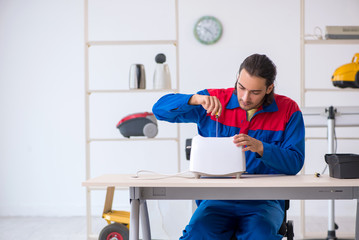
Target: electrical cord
(162,220)
(335,151)
(141,174)
(146,174)
(317,34)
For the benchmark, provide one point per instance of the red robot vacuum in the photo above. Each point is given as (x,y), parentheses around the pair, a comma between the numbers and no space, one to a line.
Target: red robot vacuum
(138,124)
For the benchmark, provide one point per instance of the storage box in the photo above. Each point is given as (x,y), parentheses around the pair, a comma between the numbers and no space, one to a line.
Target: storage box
(344,165)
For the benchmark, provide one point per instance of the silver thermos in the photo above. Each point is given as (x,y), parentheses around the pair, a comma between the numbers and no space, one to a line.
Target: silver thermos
(137,76)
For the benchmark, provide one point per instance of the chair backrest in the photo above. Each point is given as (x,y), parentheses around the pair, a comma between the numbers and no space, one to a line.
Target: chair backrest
(283,228)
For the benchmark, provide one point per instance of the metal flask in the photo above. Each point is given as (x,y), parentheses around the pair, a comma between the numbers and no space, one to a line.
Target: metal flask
(137,76)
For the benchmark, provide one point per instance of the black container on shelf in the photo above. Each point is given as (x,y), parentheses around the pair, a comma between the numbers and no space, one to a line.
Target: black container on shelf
(343,165)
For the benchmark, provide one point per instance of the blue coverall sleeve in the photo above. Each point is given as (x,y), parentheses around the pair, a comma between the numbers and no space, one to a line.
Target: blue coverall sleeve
(175,108)
(288,157)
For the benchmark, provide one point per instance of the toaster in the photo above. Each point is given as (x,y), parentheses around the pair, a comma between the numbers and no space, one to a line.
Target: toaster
(216,157)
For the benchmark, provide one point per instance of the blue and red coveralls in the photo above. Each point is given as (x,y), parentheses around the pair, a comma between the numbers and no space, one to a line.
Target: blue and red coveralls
(279,126)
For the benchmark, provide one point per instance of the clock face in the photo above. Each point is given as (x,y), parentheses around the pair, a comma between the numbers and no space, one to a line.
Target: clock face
(208,30)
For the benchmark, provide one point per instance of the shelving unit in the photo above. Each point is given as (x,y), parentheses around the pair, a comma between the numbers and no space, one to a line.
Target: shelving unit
(128,91)
(138,42)
(304,42)
(304,89)
(89,92)
(331,41)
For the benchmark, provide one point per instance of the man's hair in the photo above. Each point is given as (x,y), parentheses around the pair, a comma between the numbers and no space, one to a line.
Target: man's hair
(261,66)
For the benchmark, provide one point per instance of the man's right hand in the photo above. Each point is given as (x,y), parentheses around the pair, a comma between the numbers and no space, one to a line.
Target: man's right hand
(210,103)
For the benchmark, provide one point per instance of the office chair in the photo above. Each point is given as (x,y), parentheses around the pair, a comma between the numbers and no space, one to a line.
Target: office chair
(286,229)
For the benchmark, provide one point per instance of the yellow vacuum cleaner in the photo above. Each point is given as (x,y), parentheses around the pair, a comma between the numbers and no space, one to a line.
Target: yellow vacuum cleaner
(348,74)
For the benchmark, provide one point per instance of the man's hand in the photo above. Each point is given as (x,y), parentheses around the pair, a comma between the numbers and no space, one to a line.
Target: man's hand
(251,144)
(210,103)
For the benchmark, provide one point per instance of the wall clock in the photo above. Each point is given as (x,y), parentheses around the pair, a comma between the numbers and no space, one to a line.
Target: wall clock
(208,30)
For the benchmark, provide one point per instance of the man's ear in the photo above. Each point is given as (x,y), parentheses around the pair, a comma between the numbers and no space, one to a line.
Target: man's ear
(270,88)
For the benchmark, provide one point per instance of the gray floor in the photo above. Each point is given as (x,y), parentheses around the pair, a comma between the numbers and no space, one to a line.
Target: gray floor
(43,228)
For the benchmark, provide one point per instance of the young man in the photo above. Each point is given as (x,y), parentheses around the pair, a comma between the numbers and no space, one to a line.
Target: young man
(270,128)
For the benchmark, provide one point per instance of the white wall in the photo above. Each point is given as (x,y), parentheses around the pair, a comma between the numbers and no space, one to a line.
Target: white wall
(42,160)
(42,133)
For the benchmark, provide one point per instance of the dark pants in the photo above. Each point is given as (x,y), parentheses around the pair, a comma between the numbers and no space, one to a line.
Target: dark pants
(247,220)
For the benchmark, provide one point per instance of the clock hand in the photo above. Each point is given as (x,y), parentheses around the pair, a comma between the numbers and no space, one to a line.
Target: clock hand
(207,29)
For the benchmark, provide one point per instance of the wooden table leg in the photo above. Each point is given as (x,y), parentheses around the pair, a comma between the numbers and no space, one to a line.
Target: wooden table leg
(109,199)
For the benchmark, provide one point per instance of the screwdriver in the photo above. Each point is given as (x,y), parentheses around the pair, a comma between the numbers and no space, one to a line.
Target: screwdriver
(217,124)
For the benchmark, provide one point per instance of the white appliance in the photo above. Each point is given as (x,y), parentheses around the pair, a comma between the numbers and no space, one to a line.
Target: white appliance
(216,156)
(162,76)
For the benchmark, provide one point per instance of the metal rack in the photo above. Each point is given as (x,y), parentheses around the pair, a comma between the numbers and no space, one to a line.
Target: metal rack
(89,92)
(303,90)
